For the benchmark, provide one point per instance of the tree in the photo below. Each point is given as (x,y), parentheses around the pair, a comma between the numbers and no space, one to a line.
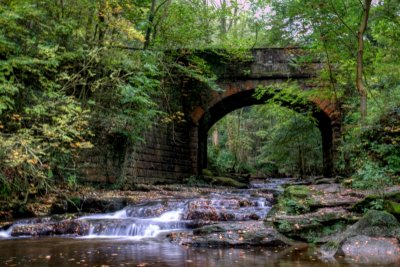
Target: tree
(360,52)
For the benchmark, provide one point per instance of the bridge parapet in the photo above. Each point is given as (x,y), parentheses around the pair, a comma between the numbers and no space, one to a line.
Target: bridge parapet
(265,63)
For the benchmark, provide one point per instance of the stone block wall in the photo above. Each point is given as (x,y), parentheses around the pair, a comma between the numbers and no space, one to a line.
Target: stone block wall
(166,156)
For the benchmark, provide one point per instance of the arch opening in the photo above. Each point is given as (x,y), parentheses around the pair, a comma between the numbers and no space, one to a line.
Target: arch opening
(244,99)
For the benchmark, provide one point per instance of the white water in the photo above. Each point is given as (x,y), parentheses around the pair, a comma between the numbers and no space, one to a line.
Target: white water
(142,221)
(170,216)
(118,224)
(114,215)
(6,233)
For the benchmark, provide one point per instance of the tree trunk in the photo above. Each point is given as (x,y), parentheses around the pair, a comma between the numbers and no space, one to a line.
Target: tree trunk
(360,68)
(215,137)
(223,24)
(102,22)
(150,24)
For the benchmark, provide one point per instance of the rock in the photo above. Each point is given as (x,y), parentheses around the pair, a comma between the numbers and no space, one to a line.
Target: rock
(151,209)
(224,181)
(389,202)
(226,209)
(324,181)
(332,195)
(297,191)
(67,227)
(375,224)
(371,250)
(392,207)
(240,234)
(315,226)
(207,172)
(293,223)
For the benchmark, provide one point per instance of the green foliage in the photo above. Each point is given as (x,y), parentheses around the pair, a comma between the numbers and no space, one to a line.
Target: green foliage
(71,69)
(42,140)
(292,206)
(266,140)
(60,75)
(372,176)
(195,181)
(295,200)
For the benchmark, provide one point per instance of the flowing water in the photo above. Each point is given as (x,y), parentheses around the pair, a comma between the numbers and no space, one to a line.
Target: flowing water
(136,236)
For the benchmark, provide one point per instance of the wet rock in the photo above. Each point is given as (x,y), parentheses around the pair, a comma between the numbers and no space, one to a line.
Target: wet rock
(240,234)
(224,209)
(371,250)
(147,210)
(67,227)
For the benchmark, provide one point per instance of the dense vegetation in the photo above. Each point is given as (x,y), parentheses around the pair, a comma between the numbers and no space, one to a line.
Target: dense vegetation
(72,71)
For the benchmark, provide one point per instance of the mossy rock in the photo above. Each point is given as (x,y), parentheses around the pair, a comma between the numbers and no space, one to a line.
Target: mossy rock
(295,200)
(207,172)
(297,191)
(394,196)
(392,207)
(320,233)
(377,224)
(390,203)
(224,181)
(364,204)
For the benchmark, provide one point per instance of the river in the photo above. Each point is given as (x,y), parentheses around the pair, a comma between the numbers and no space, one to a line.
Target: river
(137,236)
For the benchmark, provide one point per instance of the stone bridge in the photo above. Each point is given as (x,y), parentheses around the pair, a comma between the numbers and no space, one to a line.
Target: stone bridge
(173,152)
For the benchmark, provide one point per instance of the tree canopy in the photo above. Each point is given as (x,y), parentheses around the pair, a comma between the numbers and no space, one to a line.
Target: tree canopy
(72,71)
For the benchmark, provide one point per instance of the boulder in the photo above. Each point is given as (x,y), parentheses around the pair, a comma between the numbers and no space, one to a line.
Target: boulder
(297,191)
(314,226)
(389,202)
(240,234)
(371,250)
(66,227)
(292,223)
(377,225)
(227,209)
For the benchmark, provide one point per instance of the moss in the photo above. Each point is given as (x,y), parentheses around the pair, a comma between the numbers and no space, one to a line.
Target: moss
(389,203)
(297,191)
(377,224)
(295,200)
(317,232)
(224,181)
(364,204)
(207,172)
(392,207)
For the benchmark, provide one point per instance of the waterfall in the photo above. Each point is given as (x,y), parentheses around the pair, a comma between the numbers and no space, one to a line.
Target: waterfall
(118,224)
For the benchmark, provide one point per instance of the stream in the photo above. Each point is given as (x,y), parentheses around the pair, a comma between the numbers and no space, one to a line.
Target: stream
(138,235)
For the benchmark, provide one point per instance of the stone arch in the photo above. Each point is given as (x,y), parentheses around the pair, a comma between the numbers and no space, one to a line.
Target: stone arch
(240,94)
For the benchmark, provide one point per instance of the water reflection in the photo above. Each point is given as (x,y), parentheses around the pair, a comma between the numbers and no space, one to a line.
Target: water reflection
(62,252)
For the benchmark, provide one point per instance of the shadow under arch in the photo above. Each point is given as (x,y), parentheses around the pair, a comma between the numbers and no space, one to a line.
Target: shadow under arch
(246,98)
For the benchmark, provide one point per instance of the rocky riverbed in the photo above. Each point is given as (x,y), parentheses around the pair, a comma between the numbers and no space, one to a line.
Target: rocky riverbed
(271,213)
